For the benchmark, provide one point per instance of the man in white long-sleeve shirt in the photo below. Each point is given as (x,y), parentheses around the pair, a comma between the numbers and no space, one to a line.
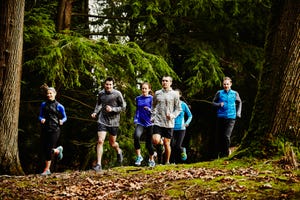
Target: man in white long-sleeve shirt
(166,107)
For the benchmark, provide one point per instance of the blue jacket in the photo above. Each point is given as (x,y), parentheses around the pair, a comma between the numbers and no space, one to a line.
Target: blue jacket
(143,110)
(232,104)
(179,120)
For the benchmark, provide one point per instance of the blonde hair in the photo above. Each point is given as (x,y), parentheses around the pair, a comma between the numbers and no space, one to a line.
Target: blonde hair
(226,78)
(52,89)
(179,92)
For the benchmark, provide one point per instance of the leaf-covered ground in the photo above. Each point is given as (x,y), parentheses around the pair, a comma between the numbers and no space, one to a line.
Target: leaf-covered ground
(221,179)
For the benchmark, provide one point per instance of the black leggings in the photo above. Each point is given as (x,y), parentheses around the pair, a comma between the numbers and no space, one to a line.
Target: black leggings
(139,130)
(176,144)
(49,138)
(222,140)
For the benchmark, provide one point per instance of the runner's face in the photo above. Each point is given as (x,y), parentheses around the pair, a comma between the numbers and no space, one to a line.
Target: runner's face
(145,89)
(227,85)
(51,95)
(166,83)
(108,86)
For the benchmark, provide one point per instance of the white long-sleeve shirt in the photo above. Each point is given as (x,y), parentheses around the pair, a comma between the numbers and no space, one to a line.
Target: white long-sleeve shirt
(165,102)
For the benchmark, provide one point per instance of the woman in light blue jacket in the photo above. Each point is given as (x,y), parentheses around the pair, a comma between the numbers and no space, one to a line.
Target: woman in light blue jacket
(179,131)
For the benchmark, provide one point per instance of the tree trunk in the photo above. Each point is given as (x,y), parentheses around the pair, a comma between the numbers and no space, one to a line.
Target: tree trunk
(277,109)
(11,47)
(287,112)
(64,15)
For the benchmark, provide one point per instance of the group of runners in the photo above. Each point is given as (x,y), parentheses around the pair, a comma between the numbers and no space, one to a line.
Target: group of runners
(162,117)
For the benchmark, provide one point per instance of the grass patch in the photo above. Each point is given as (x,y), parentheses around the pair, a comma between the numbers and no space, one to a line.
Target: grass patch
(219,179)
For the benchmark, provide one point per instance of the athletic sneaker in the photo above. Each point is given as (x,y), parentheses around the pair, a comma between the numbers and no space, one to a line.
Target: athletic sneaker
(183,154)
(139,160)
(98,168)
(120,157)
(151,163)
(46,173)
(60,153)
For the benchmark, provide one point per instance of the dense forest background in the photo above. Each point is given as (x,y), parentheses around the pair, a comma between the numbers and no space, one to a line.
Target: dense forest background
(197,42)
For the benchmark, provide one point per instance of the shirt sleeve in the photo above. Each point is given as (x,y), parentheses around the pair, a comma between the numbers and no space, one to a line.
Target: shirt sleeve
(188,113)
(41,115)
(177,106)
(215,101)
(154,103)
(238,105)
(121,103)
(61,109)
(98,105)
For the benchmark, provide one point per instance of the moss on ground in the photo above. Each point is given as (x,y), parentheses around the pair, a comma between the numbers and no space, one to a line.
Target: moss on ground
(219,179)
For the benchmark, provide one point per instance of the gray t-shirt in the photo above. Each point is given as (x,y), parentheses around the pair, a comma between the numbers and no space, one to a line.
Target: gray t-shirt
(113,99)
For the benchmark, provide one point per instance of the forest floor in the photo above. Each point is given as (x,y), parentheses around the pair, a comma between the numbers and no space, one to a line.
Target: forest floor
(219,179)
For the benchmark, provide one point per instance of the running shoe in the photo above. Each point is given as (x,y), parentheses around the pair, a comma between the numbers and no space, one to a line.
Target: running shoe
(60,152)
(139,160)
(98,168)
(120,157)
(151,163)
(183,154)
(46,173)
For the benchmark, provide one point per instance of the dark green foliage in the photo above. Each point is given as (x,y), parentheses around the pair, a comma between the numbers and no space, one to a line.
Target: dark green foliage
(206,71)
(39,30)
(196,42)
(214,36)
(77,66)
(202,41)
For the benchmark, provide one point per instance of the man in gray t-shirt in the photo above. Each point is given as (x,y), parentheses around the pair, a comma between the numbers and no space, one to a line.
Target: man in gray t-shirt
(109,105)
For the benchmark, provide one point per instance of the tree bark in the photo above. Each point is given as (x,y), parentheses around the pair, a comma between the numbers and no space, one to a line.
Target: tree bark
(277,109)
(64,15)
(11,47)
(287,111)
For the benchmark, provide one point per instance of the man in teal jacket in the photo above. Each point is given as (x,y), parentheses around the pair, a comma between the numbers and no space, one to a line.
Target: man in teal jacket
(229,107)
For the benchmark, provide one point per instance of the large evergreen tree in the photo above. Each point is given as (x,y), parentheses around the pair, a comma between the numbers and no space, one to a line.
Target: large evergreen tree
(201,40)
(276,113)
(76,66)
